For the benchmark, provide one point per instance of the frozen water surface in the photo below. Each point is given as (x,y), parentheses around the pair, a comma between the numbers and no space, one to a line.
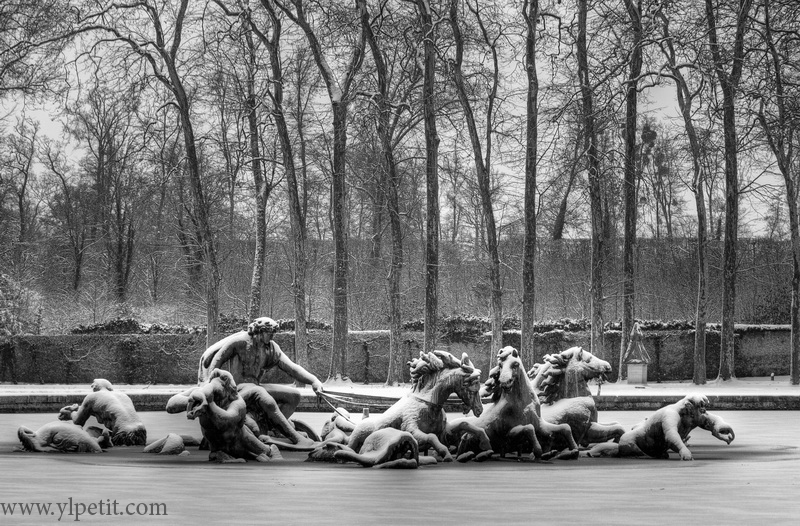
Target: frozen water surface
(754,479)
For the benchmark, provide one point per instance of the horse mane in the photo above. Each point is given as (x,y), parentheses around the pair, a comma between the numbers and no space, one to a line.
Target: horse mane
(425,369)
(490,386)
(553,372)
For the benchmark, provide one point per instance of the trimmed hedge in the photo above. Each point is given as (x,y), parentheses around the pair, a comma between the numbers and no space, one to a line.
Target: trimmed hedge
(173,358)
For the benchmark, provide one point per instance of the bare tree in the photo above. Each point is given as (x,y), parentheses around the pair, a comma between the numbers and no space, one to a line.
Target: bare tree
(778,115)
(19,179)
(263,188)
(297,210)
(572,160)
(387,122)
(595,191)
(106,122)
(686,96)
(155,33)
(339,93)
(481,158)
(31,40)
(729,84)
(428,31)
(67,203)
(634,8)
(530,12)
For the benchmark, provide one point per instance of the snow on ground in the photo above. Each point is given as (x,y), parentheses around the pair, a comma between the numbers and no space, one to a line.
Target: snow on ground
(740,386)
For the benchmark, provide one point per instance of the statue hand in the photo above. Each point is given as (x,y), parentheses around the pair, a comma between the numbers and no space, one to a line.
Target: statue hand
(317,387)
(65,413)
(724,433)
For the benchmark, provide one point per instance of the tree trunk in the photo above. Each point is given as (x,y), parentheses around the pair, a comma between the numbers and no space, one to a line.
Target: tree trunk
(794,222)
(431,177)
(338,93)
(213,277)
(296,211)
(780,136)
(262,191)
(482,171)
(729,84)
(560,220)
(631,202)
(530,11)
(390,190)
(595,191)
(338,203)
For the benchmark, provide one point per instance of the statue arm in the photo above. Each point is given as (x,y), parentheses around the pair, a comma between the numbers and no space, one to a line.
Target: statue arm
(82,413)
(221,357)
(78,414)
(718,427)
(673,437)
(458,427)
(230,416)
(221,352)
(178,403)
(66,412)
(297,372)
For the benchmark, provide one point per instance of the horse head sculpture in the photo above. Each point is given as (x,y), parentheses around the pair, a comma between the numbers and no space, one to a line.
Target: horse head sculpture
(566,374)
(439,373)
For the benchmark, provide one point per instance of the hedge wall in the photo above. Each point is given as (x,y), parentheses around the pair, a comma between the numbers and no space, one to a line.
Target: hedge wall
(173,358)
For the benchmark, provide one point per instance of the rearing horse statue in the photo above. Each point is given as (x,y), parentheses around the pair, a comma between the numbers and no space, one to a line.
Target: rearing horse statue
(434,376)
(561,384)
(512,422)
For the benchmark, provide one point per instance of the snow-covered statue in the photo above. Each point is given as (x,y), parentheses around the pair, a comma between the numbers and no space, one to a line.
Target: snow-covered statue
(668,430)
(64,437)
(338,427)
(270,405)
(420,414)
(561,384)
(512,421)
(111,408)
(172,444)
(222,413)
(384,448)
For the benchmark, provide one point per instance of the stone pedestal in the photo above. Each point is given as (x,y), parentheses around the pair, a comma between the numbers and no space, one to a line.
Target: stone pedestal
(637,373)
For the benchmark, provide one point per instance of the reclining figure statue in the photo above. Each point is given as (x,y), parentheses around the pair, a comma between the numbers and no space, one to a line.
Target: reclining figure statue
(667,429)
(64,437)
(112,409)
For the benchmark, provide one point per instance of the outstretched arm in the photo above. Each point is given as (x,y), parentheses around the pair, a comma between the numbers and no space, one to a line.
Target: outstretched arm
(177,403)
(78,414)
(718,427)
(297,372)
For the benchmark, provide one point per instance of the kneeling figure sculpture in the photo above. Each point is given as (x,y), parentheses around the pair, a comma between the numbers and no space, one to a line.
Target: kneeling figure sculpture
(111,408)
(222,413)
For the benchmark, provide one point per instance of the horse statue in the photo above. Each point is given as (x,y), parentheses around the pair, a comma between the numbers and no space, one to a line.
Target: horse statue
(435,376)
(561,383)
(513,422)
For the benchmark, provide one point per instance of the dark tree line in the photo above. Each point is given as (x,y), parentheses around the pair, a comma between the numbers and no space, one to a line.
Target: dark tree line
(307,147)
